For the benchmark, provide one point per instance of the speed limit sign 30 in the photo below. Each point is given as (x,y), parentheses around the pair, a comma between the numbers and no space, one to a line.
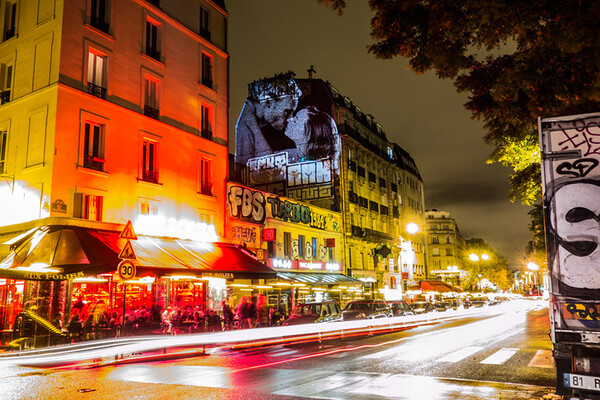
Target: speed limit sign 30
(126,269)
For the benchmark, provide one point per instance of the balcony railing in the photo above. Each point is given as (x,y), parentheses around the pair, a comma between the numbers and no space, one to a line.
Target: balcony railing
(152,52)
(353,197)
(9,33)
(4,97)
(206,134)
(377,236)
(205,33)
(206,189)
(100,24)
(93,162)
(207,81)
(96,90)
(363,202)
(150,176)
(151,112)
(352,165)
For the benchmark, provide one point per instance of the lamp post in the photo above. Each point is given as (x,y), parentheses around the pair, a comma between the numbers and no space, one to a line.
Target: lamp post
(475,258)
(533,267)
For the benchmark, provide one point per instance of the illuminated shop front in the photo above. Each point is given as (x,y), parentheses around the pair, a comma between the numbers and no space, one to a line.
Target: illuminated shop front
(302,242)
(54,269)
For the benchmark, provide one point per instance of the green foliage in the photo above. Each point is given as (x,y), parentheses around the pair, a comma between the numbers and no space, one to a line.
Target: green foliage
(516,60)
(495,269)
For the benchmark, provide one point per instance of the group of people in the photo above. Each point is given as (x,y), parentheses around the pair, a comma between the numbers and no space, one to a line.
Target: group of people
(175,320)
(255,312)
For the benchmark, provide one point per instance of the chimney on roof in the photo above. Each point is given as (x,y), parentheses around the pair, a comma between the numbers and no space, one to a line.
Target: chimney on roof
(311,71)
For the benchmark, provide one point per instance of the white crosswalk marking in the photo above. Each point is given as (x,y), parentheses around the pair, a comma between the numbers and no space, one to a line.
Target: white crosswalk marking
(460,354)
(500,357)
(542,359)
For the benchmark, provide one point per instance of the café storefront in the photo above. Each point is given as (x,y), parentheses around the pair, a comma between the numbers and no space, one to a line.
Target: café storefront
(53,269)
(302,242)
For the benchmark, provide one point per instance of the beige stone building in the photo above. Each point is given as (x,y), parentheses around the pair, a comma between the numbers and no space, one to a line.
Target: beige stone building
(447,248)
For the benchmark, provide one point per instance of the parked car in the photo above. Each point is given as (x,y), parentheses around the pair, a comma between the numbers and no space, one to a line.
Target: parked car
(306,313)
(479,301)
(364,309)
(453,303)
(421,307)
(400,308)
(440,306)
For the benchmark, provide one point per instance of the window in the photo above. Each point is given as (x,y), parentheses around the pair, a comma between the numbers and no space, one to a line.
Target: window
(435,251)
(206,182)
(6,74)
(152,48)
(151,97)
(206,123)
(149,162)
(448,239)
(204,27)
(435,239)
(148,207)
(10,19)
(315,247)
(300,245)
(207,75)
(98,15)
(287,244)
(93,146)
(96,74)
(206,217)
(3,151)
(88,206)
(436,263)
(271,249)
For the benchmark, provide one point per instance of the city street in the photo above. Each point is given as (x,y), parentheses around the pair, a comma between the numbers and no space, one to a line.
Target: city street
(503,353)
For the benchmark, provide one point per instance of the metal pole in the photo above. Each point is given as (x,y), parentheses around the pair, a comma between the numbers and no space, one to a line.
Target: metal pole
(124,306)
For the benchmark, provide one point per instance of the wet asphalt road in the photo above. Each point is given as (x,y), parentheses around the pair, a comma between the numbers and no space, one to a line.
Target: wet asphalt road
(503,354)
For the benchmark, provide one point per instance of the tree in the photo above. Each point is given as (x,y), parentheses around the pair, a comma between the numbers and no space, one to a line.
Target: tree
(516,60)
(495,268)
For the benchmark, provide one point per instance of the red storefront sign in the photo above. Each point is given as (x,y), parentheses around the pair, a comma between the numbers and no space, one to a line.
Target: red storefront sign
(269,235)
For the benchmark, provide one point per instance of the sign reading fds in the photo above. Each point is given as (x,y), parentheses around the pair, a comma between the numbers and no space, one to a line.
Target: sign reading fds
(253,206)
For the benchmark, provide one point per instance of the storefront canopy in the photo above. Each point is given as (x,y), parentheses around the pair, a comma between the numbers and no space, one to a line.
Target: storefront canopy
(66,252)
(318,278)
(438,286)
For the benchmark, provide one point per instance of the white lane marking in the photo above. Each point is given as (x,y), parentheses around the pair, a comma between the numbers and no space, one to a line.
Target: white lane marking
(460,354)
(283,352)
(500,357)
(542,359)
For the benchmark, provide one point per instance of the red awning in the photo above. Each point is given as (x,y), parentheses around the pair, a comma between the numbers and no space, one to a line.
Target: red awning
(437,286)
(72,251)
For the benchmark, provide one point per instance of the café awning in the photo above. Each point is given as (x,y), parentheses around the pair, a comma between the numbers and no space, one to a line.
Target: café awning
(66,252)
(438,286)
(319,278)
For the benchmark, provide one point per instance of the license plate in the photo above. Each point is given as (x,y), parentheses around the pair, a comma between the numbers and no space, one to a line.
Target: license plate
(587,382)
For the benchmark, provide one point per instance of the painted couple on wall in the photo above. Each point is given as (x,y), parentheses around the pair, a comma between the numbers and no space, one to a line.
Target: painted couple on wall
(271,123)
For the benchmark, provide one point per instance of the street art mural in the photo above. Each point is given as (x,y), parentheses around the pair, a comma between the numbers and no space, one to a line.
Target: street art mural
(571,182)
(284,148)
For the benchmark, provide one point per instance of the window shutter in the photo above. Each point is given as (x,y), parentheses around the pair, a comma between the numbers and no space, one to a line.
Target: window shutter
(78,205)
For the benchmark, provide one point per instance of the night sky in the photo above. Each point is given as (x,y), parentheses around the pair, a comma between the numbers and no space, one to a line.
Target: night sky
(422,114)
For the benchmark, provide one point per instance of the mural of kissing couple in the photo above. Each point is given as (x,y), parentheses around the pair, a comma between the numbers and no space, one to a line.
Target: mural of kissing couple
(271,122)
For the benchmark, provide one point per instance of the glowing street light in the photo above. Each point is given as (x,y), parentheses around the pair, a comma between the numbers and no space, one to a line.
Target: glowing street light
(412,228)
(475,258)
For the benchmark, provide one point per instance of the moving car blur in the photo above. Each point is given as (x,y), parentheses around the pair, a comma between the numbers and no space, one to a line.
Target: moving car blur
(364,309)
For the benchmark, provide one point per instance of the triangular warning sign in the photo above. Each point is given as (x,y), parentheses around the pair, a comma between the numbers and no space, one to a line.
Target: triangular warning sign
(127,252)
(128,232)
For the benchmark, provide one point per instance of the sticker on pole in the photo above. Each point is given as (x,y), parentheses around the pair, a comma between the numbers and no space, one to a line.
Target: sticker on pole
(126,269)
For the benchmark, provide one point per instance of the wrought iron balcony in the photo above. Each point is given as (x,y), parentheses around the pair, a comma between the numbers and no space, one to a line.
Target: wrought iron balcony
(93,162)
(9,33)
(96,90)
(206,189)
(206,134)
(150,176)
(100,24)
(151,112)
(4,97)
(205,33)
(152,52)
(207,81)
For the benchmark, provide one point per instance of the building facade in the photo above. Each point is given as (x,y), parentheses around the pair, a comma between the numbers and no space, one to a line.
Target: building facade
(112,111)
(350,166)
(447,248)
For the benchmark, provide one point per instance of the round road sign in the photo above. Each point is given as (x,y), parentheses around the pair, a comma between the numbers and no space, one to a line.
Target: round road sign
(126,269)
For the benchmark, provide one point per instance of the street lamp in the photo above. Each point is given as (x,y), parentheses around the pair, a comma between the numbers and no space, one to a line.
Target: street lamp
(412,228)
(475,258)
(533,267)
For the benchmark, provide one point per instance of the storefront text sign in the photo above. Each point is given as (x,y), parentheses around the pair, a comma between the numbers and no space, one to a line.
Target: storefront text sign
(279,263)
(255,206)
